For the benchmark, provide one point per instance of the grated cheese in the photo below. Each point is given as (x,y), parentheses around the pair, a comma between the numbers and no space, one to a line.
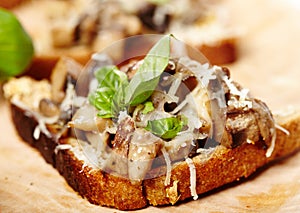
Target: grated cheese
(175,85)
(27,91)
(272,146)
(232,87)
(36,133)
(239,103)
(192,168)
(62,147)
(69,97)
(42,121)
(282,129)
(169,167)
(203,72)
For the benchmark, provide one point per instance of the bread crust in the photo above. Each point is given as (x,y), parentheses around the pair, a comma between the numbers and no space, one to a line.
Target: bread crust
(8,4)
(97,186)
(25,125)
(42,66)
(221,52)
(224,166)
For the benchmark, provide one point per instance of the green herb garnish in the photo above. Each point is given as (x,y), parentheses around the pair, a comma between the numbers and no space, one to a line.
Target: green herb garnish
(16,47)
(146,78)
(115,93)
(166,128)
(159,2)
(111,80)
(148,107)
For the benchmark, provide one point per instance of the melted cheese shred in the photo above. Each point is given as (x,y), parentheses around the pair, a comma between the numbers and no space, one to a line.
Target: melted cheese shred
(285,131)
(169,166)
(272,146)
(62,147)
(273,131)
(192,168)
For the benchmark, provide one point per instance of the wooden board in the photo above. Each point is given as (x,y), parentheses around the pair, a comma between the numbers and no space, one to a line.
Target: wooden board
(269,65)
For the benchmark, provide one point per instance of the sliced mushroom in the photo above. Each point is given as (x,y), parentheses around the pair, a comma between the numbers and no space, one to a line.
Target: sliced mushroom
(251,125)
(118,160)
(265,121)
(86,119)
(64,67)
(48,108)
(98,141)
(180,146)
(143,148)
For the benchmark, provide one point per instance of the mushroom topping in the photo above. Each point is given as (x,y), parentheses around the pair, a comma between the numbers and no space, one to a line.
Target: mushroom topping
(143,148)
(118,159)
(48,108)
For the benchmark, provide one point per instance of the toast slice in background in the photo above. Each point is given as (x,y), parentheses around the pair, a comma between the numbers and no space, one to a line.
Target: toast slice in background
(79,28)
(9,4)
(205,25)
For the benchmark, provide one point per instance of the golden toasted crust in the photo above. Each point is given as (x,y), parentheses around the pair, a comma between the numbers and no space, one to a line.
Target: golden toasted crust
(10,3)
(97,186)
(224,166)
(42,66)
(221,52)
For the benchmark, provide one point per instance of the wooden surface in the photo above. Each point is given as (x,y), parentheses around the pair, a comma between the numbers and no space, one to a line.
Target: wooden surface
(269,65)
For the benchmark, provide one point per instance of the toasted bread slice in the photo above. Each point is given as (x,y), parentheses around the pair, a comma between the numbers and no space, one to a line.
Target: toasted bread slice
(230,160)
(225,166)
(205,25)
(69,28)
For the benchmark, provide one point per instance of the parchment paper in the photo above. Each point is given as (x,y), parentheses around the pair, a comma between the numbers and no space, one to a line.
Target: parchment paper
(269,65)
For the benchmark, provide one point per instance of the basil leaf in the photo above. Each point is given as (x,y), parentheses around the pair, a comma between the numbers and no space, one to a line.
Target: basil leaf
(111,80)
(16,47)
(159,2)
(166,128)
(148,107)
(146,78)
(114,93)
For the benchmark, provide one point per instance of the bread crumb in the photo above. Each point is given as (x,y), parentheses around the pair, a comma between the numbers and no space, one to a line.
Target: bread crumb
(172,193)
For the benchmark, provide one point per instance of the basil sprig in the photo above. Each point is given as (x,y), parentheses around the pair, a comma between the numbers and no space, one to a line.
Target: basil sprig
(114,93)
(16,46)
(148,107)
(111,80)
(146,78)
(166,128)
